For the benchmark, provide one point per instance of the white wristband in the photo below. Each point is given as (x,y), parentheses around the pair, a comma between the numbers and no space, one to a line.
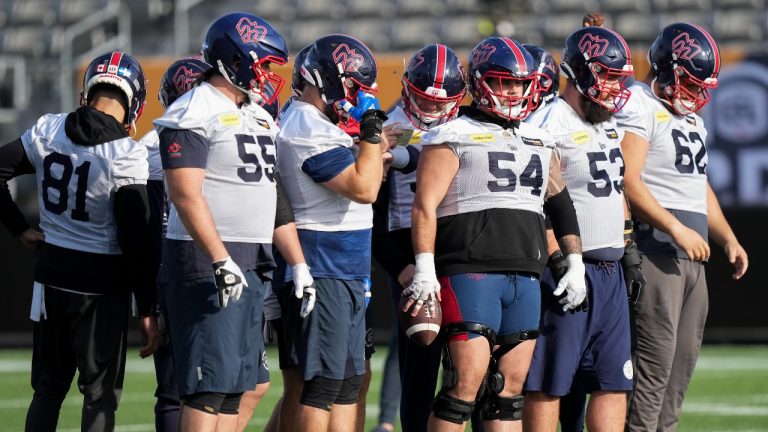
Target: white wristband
(425,263)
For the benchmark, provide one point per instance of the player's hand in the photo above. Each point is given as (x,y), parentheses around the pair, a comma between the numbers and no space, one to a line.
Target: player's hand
(595,19)
(425,288)
(633,275)
(691,242)
(304,288)
(573,283)
(31,238)
(390,133)
(365,102)
(405,277)
(150,336)
(230,281)
(738,257)
(387,158)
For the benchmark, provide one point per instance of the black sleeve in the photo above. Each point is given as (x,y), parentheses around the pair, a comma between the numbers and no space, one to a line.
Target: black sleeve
(385,250)
(284,213)
(135,237)
(181,148)
(156,200)
(13,163)
(562,214)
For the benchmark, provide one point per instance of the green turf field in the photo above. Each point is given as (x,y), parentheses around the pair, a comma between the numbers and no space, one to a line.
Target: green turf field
(729,392)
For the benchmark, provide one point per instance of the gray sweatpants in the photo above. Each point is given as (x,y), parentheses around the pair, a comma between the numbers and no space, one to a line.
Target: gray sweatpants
(669,324)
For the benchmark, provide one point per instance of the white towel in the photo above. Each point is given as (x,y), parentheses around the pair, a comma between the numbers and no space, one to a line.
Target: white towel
(37,309)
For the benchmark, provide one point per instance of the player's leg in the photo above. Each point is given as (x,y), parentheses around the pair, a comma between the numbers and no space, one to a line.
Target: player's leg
(556,358)
(251,399)
(369,350)
(99,340)
(573,408)
(689,335)
(656,314)
(167,405)
(521,305)
(289,330)
(53,364)
(606,411)
(390,388)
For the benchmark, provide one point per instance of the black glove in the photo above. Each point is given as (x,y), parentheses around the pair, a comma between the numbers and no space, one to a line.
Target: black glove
(558,266)
(371,124)
(633,275)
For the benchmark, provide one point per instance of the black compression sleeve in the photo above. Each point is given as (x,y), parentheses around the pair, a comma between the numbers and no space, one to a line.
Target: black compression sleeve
(562,214)
(13,163)
(385,250)
(284,214)
(134,235)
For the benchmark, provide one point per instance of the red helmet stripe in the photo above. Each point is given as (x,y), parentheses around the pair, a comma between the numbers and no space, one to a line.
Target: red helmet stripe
(115,60)
(518,54)
(440,66)
(714,48)
(624,44)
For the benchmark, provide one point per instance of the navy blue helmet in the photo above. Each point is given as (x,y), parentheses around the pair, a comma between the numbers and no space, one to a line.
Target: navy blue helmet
(598,61)
(339,66)
(685,63)
(433,86)
(297,82)
(241,46)
(179,78)
(549,73)
(118,69)
(503,78)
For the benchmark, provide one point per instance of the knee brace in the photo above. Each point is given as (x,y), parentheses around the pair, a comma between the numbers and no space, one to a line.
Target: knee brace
(231,404)
(449,408)
(497,407)
(321,392)
(449,371)
(350,389)
(207,402)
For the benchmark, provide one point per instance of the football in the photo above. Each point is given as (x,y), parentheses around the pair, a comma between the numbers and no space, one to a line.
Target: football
(422,328)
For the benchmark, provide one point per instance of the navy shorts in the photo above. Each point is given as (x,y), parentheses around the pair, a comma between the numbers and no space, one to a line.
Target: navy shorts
(505,302)
(593,344)
(330,341)
(214,349)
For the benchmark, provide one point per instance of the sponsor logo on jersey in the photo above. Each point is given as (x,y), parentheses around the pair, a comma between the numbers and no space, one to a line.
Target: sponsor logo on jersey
(691,121)
(415,138)
(533,141)
(174,150)
(229,120)
(580,137)
(611,133)
(483,138)
(662,116)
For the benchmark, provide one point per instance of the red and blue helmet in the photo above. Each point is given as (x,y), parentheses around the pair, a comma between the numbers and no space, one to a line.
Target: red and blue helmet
(297,82)
(685,63)
(120,70)
(433,86)
(497,64)
(179,78)
(241,46)
(549,73)
(599,62)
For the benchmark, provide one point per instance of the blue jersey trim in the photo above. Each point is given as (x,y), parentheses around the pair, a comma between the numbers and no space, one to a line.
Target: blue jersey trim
(327,165)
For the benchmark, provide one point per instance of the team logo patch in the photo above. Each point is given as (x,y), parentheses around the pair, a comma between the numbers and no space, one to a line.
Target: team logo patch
(684,47)
(349,59)
(476,276)
(593,45)
(691,121)
(482,54)
(482,138)
(263,123)
(629,372)
(662,116)
(250,31)
(184,79)
(611,133)
(229,120)
(174,150)
(580,137)
(533,141)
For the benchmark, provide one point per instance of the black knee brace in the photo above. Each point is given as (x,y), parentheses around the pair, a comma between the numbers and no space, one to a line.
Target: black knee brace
(320,392)
(449,372)
(208,402)
(350,389)
(503,408)
(231,404)
(449,408)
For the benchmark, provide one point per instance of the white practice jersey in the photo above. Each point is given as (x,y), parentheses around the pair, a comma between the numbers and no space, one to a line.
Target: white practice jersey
(402,186)
(675,168)
(152,142)
(306,132)
(239,184)
(499,168)
(76,184)
(593,170)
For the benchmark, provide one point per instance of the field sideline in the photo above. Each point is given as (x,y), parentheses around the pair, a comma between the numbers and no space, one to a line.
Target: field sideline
(729,392)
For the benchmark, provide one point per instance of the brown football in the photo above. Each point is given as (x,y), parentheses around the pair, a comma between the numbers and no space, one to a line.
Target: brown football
(422,328)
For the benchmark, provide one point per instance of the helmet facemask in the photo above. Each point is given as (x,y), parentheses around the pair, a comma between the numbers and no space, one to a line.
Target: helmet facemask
(426,109)
(609,89)
(351,87)
(688,94)
(495,88)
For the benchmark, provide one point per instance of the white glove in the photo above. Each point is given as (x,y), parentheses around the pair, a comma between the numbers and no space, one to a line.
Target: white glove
(230,281)
(425,288)
(572,283)
(304,288)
